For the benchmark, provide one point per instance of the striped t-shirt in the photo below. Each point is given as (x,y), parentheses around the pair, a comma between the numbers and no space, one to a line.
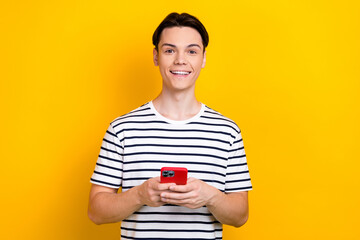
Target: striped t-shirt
(138,144)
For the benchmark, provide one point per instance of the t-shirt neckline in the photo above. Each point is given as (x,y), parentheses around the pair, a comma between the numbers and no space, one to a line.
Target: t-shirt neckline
(197,116)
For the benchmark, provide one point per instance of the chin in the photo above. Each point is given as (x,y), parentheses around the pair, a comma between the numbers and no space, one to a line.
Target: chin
(181,87)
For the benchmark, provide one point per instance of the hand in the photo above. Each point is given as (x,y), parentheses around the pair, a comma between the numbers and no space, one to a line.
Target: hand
(194,194)
(149,192)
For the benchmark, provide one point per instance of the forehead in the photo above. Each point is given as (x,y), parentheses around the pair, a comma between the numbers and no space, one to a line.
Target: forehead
(180,36)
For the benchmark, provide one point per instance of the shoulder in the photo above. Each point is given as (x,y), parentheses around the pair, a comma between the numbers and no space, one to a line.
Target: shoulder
(216,117)
(135,117)
(141,112)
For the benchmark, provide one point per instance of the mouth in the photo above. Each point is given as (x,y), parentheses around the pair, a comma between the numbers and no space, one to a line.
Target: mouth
(180,72)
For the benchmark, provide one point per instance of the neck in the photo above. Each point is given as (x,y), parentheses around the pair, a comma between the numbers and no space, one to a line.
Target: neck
(177,106)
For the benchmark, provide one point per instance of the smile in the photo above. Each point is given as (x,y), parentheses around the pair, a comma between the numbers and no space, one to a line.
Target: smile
(178,72)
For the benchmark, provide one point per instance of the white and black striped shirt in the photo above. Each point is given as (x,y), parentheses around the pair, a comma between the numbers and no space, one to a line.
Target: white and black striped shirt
(138,144)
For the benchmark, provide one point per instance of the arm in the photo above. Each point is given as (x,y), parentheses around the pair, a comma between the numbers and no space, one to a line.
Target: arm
(108,206)
(231,208)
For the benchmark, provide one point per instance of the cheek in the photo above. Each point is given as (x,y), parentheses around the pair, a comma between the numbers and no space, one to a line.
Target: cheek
(198,65)
(162,64)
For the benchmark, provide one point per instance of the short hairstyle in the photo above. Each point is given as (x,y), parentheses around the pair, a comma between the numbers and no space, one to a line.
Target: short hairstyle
(180,20)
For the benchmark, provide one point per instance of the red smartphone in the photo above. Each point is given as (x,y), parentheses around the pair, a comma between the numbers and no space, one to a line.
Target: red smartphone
(176,175)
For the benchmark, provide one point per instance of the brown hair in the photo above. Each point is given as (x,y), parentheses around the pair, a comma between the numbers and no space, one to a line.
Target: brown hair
(180,20)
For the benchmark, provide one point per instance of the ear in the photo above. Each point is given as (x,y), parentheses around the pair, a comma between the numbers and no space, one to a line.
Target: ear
(204,60)
(155,57)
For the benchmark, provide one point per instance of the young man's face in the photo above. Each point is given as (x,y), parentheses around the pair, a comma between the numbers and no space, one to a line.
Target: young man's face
(180,57)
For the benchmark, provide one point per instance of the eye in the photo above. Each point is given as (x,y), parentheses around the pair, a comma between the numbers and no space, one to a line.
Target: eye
(192,52)
(169,51)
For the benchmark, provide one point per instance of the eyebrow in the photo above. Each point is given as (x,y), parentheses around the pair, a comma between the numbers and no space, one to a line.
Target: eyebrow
(194,45)
(172,45)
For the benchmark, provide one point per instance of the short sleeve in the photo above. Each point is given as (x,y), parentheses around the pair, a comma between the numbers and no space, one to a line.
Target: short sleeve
(109,166)
(237,173)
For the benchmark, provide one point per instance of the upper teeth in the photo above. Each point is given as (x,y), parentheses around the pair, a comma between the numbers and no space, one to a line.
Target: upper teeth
(180,72)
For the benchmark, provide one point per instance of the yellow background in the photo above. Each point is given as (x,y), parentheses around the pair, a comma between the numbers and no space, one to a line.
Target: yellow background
(286,71)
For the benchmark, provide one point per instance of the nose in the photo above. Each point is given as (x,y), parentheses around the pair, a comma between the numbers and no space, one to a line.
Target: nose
(180,58)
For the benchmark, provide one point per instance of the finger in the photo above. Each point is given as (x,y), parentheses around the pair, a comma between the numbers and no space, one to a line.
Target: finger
(155,184)
(179,188)
(156,202)
(174,201)
(191,179)
(183,188)
(185,203)
(176,196)
(164,186)
(190,185)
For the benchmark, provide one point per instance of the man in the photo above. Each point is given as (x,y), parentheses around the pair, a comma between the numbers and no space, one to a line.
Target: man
(174,129)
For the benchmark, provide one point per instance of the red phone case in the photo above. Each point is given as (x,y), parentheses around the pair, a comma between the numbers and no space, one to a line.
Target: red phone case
(176,175)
